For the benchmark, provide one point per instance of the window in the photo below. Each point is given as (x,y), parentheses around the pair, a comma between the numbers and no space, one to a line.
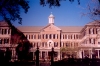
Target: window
(31,36)
(76,36)
(46,36)
(55,44)
(0,41)
(71,36)
(0,31)
(63,36)
(91,31)
(57,36)
(50,36)
(5,31)
(67,44)
(43,36)
(34,36)
(8,31)
(38,36)
(6,41)
(98,42)
(45,44)
(42,44)
(53,36)
(68,36)
(92,41)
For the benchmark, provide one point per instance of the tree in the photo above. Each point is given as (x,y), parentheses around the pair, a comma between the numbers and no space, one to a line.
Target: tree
(94,12)
(69,50)
(11,9)
(93,8)
(54,2)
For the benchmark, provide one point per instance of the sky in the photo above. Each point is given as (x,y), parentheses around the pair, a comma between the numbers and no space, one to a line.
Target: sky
(68,14)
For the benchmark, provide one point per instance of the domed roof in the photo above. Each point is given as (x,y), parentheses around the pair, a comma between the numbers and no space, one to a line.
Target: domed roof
(51,15)
(96,22)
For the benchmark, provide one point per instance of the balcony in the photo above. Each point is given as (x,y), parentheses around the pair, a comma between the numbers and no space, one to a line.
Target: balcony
(8,45)
(89,45)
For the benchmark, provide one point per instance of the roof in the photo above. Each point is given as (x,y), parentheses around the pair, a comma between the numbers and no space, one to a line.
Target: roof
(3,23)
(71,28)
(51,15)
(96,22)
(38,28)
(30,28)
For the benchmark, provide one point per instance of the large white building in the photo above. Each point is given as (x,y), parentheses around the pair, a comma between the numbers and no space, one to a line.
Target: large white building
(85,38)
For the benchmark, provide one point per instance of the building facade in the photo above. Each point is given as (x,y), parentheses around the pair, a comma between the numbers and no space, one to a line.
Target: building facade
(85,38)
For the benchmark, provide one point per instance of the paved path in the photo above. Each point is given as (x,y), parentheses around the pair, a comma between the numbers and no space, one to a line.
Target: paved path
(44,63)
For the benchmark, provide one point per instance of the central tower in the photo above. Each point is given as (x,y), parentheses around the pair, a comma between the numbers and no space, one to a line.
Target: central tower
(51,19)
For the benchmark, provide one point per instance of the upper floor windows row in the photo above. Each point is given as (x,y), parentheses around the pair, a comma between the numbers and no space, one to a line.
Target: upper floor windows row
(5,31)
(4,41)
(43,36)
(94,31)
(44,44)
(71,36)
(67,44)
(91,41)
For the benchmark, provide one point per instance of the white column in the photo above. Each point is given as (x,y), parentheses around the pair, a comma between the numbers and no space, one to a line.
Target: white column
(80,53)
(40,54)
(91,52)
(58,55)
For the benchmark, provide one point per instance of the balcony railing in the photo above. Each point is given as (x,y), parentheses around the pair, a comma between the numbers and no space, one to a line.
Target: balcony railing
(89,45)
(8,45)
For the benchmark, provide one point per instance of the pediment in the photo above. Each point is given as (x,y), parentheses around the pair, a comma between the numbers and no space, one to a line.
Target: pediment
(97,22)
(3,23)
(50,27)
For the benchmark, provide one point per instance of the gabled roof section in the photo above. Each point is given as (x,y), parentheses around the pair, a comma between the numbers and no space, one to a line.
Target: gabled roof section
(3,23)
(96,22)
(50,27)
